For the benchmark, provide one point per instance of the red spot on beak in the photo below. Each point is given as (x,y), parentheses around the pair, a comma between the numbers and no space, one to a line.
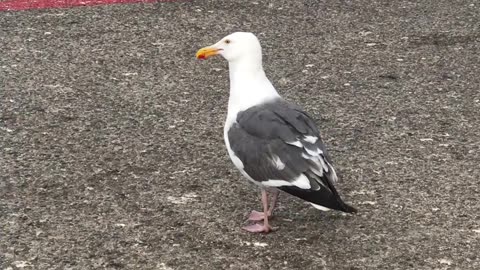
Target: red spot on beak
(206,52)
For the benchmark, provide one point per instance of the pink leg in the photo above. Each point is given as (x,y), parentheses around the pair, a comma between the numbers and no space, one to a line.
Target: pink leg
(273,202)
(258,216)
(257,228)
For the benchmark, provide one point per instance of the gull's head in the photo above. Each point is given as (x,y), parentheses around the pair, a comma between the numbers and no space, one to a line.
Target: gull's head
(234,47)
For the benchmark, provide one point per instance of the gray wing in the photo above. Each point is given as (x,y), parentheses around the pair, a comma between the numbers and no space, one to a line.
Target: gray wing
(279,141)
(280,146)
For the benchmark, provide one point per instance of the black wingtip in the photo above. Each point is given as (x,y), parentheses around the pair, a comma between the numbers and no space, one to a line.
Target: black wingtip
(349,209)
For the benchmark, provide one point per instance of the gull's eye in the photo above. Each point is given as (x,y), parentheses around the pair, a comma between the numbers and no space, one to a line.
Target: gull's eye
(227,41)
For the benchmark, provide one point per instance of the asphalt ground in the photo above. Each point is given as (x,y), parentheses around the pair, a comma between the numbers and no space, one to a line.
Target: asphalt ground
(112,153)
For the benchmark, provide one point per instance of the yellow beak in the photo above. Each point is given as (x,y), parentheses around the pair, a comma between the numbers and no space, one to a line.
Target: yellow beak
(207,52)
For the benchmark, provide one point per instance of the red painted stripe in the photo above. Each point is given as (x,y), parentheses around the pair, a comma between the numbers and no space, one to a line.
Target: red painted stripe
(39,4)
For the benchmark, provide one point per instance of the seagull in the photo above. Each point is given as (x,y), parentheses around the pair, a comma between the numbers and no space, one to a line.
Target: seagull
(272,142)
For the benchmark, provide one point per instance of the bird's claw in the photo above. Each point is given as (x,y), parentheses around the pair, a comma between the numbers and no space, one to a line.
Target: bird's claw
(256,216)
(258,228)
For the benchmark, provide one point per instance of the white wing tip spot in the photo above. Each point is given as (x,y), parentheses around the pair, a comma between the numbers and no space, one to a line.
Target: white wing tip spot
(302,182)
(296,143)
(311,139)
(314,153)
(278,163)
(319,207)
(334,174)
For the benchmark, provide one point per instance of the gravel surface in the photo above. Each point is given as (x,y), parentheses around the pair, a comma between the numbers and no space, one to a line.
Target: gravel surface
(111,135)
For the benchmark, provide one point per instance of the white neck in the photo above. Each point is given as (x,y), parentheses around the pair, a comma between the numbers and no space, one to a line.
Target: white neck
(249,86)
